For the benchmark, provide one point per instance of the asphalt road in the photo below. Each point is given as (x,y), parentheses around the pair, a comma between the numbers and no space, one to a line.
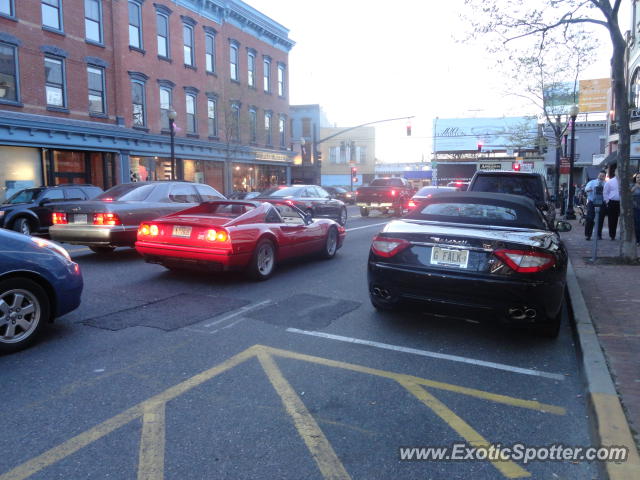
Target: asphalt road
(191,376)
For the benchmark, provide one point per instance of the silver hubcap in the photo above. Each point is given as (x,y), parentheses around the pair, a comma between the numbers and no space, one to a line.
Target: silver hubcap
(332,242)
(19,315)
(265,259)
(343,217)
(24,228)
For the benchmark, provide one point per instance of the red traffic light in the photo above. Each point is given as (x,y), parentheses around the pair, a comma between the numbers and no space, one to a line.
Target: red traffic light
(354,171)
(408,130)
(480,145)
(516,166)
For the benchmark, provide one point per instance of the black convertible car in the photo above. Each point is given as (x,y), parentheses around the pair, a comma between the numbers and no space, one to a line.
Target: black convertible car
(477,255)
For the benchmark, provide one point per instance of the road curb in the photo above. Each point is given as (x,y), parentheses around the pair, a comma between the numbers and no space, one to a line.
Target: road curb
(609,422)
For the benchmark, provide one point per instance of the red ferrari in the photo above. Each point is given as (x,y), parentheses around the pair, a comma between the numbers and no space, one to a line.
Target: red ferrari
(233,235)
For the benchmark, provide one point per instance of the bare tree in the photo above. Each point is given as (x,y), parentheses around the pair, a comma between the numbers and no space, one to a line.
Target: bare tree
(509,21)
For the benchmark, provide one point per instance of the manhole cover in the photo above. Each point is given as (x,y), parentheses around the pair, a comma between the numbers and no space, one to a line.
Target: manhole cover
(304,311)
(168,314)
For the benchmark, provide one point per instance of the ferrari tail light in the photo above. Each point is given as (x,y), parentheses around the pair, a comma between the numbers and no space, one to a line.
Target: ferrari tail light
(149,230)
(217,235)
(524,261)
(59,218)
(106,219)
(388,247)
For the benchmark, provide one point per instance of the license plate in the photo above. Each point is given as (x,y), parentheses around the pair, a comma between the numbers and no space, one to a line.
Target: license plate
(80,218)
(449,257)
(181,231)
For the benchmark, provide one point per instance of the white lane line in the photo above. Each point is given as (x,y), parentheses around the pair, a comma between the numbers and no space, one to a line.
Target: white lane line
(426,353)
(366,226)
(240,311)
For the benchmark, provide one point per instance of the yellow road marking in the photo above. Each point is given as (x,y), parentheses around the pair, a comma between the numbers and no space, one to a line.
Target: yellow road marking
(153,435)
(151,457)
(508,468)
(320,448)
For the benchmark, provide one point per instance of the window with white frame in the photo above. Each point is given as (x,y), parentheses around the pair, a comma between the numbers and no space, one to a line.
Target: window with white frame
(93,20)
(251,68)
(282,122)
(162,24)
(191,113)
(235,122)
(212,116)
(267,128)
(233,61)
(266,65)
(55,82)
(52,14)
(281,75)
(95,79)
(210,52)
(187,33)
(165,107)
(253,125)
(138,102)
(135,24)
(9,72)
(6,8)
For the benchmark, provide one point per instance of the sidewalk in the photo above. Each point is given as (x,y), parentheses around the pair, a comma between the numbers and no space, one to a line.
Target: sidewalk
(612,296)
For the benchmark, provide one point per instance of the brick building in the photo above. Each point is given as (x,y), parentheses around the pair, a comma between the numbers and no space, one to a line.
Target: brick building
(86,87)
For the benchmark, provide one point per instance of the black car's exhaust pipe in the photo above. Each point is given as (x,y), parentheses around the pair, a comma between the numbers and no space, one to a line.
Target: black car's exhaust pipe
(530,313)
(517,314)
(381,292)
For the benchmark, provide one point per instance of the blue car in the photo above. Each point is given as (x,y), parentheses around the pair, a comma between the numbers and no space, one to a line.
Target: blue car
(38,282)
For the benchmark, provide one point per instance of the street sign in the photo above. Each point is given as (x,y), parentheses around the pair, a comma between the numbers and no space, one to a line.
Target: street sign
(565,165)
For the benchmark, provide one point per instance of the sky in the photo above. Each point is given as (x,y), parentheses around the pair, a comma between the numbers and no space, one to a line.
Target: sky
(369,60)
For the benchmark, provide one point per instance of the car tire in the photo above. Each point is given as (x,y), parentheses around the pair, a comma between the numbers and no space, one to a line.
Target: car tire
(342,217)
(551,329)
(263,262)
(364,212)
(102,250)
(35,299)
(330,244)
(23,225)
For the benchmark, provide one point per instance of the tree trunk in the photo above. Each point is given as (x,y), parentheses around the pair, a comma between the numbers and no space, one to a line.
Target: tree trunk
(618,66)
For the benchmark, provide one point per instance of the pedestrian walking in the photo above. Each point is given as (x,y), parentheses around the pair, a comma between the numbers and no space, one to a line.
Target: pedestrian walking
(563,198)
(590,190)
(635,192)
(612,199)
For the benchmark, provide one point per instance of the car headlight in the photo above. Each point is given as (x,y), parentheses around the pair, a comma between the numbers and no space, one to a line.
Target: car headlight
(41,242)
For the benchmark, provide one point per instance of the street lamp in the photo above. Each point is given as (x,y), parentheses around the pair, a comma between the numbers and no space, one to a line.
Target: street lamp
(172,118)
(573,113)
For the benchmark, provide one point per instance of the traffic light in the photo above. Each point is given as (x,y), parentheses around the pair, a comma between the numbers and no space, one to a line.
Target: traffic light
(354,171)
(515,166)
(408,130)
(480,144)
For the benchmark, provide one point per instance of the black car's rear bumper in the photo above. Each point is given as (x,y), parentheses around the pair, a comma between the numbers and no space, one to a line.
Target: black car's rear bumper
(468,295)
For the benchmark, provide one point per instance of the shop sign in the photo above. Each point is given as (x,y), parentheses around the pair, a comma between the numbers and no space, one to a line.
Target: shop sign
(490,166)
(272,157)
(565,165)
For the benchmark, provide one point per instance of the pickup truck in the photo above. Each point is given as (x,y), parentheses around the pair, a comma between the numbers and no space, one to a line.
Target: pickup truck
(384,194)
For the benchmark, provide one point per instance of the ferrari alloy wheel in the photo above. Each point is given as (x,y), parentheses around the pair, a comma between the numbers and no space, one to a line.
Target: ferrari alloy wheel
(342,217)
(331,244)
(264,260)
(24,306)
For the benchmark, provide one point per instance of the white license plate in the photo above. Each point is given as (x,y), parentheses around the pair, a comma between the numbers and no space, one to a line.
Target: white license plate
(181,231)
(449,257)
(80,218)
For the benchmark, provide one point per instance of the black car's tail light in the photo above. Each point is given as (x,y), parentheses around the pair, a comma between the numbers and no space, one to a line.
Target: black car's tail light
(58,218)
(106,219)
(524,261)
(388,247)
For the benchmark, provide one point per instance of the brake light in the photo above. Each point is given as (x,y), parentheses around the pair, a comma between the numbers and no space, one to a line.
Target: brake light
(388,247)
(217,235)
(147,229)
(393,193)
(106,219)
(107,199)
(524,261)
(411,204)
(59,218)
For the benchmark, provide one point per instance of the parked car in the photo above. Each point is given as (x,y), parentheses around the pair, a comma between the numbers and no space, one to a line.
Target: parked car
(427,192)
(311,199)
(384,194)
(243,195)
(38,282)
(532,185)
(112,218)
(228,235)
(29,211)
(481,255)
(341,194)
(459,185)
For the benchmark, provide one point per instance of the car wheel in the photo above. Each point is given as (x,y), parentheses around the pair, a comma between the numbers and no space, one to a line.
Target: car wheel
(551,329)
(102,250)
(24,307)
(263,262)
(23,226)
(342,217)
(364,212)
(331,244)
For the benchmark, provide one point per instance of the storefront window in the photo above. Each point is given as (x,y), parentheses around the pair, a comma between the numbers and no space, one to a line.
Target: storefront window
(204,171)
(19,168)
(143,169)
(255,178)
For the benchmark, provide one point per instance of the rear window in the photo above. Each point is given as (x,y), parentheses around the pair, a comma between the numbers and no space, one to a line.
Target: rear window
(479,213)
(424,191)
(285,192)
(386,182)
(127,192)
(528,186)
